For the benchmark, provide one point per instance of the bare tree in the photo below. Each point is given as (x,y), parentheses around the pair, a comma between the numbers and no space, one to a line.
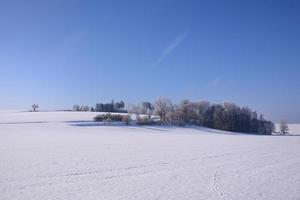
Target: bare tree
(134,109)
(185,107)
(35,107)
(283,127)
(84,108)
(190,111)
(162,107)
(76,107)
(202,107)
(175,115)
(148,109)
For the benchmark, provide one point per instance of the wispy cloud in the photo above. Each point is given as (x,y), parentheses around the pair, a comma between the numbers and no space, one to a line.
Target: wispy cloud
(171,46)
(216,82)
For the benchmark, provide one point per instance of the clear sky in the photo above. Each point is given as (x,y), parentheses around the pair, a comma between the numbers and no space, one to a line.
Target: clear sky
(57,53)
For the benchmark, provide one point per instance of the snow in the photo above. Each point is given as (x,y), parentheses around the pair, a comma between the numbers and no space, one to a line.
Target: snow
(294,129)
(44,156)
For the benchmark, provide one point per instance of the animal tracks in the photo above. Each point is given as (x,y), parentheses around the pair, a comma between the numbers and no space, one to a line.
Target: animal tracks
(217,186)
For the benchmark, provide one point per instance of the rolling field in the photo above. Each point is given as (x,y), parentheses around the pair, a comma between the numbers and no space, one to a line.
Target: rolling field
(47,156)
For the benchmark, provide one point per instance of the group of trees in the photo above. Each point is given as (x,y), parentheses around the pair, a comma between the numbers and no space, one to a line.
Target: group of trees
(110,107)
(108,118)
(102,107)
(230,117)
(145,108)
(82,108)
(226,116)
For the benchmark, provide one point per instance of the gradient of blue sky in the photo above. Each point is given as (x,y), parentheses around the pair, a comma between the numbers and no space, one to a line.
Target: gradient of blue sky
(57,53)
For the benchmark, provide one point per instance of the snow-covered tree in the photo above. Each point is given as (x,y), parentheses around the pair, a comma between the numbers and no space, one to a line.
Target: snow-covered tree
(84,108)
(283,127)
(162,107)
(76,108)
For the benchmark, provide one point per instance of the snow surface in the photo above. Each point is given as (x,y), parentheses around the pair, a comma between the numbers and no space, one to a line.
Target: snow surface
(46,156)
(294,129)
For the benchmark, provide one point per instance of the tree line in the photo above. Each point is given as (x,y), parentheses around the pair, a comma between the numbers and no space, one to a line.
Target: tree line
(103,107)
(110,107)
(226,116)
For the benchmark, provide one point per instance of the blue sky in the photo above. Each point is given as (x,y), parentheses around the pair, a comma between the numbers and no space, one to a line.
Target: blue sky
(57,53)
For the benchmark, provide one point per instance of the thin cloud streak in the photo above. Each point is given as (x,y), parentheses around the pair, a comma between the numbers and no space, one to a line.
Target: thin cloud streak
(216,82)
(171,47)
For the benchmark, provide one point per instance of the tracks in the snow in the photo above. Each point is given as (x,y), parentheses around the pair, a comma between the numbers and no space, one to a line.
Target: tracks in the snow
(217,186)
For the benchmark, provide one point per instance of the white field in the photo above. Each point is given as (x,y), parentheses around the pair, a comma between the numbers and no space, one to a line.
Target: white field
(44,157)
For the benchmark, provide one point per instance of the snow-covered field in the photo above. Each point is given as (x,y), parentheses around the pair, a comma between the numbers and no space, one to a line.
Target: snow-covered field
(44,156)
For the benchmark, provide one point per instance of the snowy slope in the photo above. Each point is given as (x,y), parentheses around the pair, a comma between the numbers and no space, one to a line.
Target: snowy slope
(294,129)
(44,157)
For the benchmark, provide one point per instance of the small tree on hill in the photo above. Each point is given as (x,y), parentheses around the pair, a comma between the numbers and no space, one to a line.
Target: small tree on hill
(35,107)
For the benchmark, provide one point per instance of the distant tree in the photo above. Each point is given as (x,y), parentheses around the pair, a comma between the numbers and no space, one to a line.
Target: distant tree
(162,107)
(184,110)
(228,116)
(200,109)
(148,109)
(117,106)
(35,107)
(107,107)
(175,115)
(218,122)
(270,127)
(99,107)
(261,117)
(265,127)
(283,127)
(208,120)
(84,108)
(76,107)
(121,104)
(92,109)
(111,107)
(135,108)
